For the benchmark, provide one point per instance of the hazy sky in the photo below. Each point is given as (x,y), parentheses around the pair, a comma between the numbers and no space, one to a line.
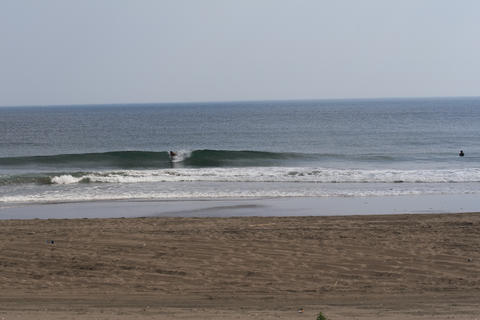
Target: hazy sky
(114,51)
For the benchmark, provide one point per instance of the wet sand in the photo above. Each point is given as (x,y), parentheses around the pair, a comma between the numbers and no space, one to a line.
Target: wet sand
(267,207)
(347,267)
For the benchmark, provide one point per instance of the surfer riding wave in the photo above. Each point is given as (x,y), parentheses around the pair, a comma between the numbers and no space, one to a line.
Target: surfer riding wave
(178,156)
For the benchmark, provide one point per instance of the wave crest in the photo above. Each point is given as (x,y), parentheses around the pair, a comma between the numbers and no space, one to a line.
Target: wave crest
(156,159)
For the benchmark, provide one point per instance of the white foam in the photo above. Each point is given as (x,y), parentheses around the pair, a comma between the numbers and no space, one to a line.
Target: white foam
(277,174)
(65,179)
(182,191)
(240,183)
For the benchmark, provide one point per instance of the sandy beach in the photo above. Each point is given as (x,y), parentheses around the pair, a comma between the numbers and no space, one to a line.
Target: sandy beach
(352,267)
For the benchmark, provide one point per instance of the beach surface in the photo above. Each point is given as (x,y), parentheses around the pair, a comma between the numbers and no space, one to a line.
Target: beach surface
(415,266)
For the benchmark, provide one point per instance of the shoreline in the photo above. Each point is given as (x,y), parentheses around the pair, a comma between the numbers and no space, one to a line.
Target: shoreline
(401,266)
(271,207)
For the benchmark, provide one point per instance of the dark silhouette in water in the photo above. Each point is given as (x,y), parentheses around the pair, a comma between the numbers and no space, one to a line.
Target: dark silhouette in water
(461,154)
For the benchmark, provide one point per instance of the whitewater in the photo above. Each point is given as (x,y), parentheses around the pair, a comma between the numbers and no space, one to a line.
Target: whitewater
(314,175)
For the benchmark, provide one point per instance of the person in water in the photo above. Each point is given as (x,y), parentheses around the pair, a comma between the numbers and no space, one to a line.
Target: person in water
(172,154)
(461,154)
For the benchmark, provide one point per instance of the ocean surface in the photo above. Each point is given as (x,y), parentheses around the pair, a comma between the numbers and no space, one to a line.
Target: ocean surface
(240,150)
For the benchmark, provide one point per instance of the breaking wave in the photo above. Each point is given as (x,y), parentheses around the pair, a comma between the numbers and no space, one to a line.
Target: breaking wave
(250,174)
(160,159)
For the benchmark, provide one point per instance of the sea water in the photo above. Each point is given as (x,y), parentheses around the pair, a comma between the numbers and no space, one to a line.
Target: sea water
(240,150)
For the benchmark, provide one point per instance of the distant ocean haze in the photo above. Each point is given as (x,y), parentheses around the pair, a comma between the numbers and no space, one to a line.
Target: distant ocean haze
(334,148)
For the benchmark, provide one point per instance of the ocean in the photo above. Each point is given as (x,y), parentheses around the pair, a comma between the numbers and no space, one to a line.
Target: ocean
(240,150)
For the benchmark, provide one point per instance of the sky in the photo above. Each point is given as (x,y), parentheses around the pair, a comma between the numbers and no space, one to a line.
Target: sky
(140,51)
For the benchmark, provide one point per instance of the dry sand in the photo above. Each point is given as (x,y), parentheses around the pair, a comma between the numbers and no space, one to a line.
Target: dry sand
(355,267)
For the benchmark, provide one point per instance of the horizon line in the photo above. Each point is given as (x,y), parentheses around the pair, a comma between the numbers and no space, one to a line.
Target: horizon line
(230,101)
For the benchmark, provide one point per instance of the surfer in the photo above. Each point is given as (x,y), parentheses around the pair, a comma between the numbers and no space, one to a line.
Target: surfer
(461,154)
(172,155)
